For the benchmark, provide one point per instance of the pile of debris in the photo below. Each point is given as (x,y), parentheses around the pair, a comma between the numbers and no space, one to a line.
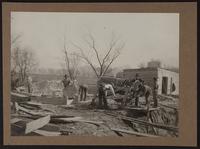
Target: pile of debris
(29,117)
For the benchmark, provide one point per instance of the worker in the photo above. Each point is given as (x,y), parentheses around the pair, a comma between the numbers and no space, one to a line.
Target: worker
(109,87)
(29,84)
(135,91)
(83,88)
(136,76)
(155,92)
(66,82)
(102,95)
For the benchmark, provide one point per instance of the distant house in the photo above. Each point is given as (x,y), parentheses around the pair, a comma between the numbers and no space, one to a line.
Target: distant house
(168,81)
(120,75)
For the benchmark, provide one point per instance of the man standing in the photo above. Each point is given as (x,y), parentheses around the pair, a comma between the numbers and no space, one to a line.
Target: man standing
(83,88)
(29,81)
(136,76)
(155,92)
(102,95)
(66,82)
(135,91)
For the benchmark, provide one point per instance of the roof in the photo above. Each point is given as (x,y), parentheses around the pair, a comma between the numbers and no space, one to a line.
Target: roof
(149,68)
(139,69)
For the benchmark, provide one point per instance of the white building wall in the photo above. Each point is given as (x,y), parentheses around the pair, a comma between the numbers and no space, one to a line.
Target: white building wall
(170,75)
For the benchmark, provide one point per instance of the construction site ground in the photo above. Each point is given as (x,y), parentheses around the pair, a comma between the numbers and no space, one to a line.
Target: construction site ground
(167,114)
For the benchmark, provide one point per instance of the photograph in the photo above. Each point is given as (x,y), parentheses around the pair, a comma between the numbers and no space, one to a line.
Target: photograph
(94,74)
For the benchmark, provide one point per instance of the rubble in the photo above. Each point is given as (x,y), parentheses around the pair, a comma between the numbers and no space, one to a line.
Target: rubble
(51,116)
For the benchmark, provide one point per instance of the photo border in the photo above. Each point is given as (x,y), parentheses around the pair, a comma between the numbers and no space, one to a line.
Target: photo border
(187,67)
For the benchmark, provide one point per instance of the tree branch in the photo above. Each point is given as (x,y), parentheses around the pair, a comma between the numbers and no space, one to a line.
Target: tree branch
(112,44)
(92,45)
(86,59)
(67,61)
(112,60)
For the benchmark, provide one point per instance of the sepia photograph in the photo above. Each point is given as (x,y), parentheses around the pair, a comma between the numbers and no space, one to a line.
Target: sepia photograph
(94,74)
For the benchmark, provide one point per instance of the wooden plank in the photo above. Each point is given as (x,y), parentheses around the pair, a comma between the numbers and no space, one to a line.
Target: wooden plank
(161,126)
(30,112)
(70,118)
(38,116)
(142,108)
(69,102)
(18,95)
(47,127)
(15,97)
(133,132)
(36,124)
(33,104)
(65,120)
(18,107)
(92,122)
(171,107)
(167,97)
(68,106)
(62,116)
(47,133)
(18,128)
(15,120)
(77,119)
(29,107)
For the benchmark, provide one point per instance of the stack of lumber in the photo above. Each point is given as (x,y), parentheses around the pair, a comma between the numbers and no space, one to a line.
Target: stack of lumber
(17,97)
(33,122)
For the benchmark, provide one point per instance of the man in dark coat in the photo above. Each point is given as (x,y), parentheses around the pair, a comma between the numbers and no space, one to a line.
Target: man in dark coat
(155,92)
(83,88)
(102,95)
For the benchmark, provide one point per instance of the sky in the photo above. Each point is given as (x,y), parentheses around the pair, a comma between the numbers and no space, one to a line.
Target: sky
(146,36)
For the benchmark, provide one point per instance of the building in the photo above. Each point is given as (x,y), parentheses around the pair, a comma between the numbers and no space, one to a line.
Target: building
(168,81)
(119,75)
(154,64)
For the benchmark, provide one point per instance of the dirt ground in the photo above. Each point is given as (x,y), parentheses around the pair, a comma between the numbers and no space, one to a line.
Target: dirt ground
(164,115)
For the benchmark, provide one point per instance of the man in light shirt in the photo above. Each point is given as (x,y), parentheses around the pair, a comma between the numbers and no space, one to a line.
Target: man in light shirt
(109,87)
(102,93)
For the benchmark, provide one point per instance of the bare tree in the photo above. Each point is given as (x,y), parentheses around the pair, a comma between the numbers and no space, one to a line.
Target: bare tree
(103,62)
(72,61)
(22,62)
